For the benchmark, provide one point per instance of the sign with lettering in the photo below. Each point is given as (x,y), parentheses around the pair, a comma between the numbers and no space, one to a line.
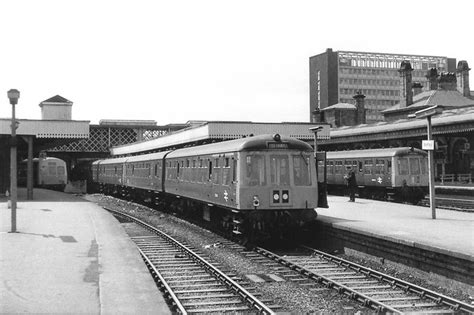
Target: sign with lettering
(428,145)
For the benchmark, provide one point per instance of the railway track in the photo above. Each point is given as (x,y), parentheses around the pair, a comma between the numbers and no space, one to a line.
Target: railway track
(371,288)
(190,283)
(312,270)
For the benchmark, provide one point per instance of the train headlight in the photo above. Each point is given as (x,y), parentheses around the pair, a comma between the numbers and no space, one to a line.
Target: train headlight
(276,196)
(277,137)
(285,196)
(256,201)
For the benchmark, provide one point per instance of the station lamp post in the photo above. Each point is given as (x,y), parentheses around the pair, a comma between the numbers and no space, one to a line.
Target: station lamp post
(429,145)
(13,95)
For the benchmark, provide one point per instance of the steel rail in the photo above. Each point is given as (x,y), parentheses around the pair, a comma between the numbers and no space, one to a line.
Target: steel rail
(366,300)
(156,274)
(231,284)
(407,286)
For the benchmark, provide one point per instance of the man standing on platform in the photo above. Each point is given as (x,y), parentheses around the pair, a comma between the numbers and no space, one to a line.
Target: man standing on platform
(351,184)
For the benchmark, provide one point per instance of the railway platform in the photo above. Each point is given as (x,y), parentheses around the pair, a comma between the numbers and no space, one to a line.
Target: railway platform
(452,232)
(71,256)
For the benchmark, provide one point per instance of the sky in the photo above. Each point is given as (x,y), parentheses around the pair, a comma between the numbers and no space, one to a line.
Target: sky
(180,60)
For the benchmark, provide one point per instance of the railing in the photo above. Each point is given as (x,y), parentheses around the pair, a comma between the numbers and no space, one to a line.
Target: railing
(459,178)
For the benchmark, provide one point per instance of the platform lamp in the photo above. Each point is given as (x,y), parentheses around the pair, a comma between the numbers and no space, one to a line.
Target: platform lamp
(13,95)
(429,145)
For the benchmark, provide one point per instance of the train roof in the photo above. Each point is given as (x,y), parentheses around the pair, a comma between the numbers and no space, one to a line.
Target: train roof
(377,153)
(244,144)
(111,161)
(147,157)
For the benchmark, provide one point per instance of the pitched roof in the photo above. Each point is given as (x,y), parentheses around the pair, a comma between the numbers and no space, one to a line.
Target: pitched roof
(56,99)
(447,98)
(454,116)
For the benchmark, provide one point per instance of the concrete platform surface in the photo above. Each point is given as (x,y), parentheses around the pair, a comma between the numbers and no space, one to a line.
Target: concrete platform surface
(452,232)
(71,256)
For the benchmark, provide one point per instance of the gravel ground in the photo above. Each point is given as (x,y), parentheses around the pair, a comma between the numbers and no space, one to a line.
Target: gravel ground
(293,297)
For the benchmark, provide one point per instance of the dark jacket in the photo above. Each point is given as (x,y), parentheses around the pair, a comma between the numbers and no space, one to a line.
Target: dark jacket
(351,181)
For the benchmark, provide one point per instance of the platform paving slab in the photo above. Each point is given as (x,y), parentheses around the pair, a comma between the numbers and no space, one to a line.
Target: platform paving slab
(71,256)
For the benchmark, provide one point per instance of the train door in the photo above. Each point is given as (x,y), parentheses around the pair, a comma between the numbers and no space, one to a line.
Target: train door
(368,172)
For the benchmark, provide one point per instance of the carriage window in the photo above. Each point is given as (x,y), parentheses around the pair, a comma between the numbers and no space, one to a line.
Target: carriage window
(156,169)
(234,170)
(424,166)
(302,170)
(338,167)
(403,166)
(360,166)
(255,166)
(368,164)
(279,170)
(52,168)
(379,166)
(330,167)
(209,177)
(414,166)
(226,172)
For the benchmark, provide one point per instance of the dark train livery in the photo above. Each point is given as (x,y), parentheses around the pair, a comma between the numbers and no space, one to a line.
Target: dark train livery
(399,174)
(261,183)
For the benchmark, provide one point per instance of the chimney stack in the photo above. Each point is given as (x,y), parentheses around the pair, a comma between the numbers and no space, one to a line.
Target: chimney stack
(447,81)
(432,76)
(360,108)
(406,93)
(462,76)
(417,88)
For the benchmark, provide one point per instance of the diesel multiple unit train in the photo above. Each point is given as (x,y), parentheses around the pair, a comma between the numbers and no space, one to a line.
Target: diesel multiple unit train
(263,184)
(399,174)
(48,172)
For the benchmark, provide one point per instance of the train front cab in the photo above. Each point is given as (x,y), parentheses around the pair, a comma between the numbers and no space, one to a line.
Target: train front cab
(52,173)
(278,189)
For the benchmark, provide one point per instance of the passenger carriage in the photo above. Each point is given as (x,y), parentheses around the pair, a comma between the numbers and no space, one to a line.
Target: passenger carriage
(398,173)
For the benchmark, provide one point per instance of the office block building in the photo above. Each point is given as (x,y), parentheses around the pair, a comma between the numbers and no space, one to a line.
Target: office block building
(336,76)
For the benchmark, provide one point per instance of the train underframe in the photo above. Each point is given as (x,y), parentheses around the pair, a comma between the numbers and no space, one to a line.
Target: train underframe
(404,194)
(250,226)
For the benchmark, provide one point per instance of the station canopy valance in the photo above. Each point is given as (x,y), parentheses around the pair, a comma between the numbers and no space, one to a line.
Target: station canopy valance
(63,129)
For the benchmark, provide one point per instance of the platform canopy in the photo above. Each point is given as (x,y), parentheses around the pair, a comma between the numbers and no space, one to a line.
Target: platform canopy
(47,128)
(209,131)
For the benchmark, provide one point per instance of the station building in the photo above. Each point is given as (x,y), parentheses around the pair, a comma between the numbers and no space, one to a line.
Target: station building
(55,127)
(453,129)
(335,76)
